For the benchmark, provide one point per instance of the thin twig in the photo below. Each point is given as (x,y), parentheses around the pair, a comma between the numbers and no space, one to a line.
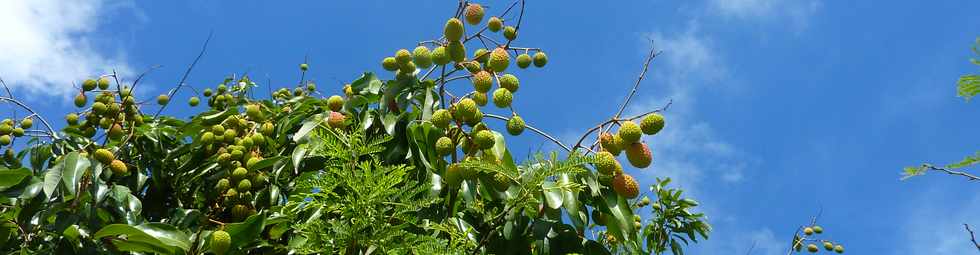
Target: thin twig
(187,73)
(960,173)
(542,133)
(47,125)
(972,237)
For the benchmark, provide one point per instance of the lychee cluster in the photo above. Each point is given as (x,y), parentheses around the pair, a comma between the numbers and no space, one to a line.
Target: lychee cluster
(627,138)
(811,244)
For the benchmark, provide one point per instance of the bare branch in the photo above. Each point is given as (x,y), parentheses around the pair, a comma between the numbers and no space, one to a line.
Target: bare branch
(542,133)
(187,73)
(47,125)
(951,172)
(972,237)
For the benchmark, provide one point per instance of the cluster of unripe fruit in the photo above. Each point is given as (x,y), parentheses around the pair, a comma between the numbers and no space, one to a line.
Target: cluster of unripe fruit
(627,139)
(9,130)
(114,111)
(812,247)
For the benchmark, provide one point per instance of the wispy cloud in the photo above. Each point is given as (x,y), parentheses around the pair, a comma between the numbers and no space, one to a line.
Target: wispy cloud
(49,44)
(797,12)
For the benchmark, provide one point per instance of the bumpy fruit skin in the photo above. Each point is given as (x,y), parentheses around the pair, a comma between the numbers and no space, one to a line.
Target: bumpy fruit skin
(336,120)
(494,24)
(453,175)
(118,167)
(104,156)
(311,86)
(509,82)
(244,185)
(335,103)
(515,125)
(481,55)
(651,124)
(473,13)
(453,30)
(81,100)
(303,67)
(422,57)
(222,185)
(402,56)
(480,98)
(484,139)
(499,60)
(444,146)
(510,33)
(104,83)
(220,242)
(523,60)
(606,163)
(440,56)
(630,132)
(457,51)
(239,174)
(71,119)
(472,66)
(812,248)
(626,186)
(441,118)
(194,101)
(608,143)
(115,131)
(389,64)
(88,84)
(540,59)
(163,99)
(502,98)
(482,81)
(639,155)
(466,109)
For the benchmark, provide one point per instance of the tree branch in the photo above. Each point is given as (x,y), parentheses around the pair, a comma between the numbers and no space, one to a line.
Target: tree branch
(187,73)
(972,237)
(542,133)
(951,172)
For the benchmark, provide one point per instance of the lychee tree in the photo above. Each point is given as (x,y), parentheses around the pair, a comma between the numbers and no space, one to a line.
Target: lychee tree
(406,164)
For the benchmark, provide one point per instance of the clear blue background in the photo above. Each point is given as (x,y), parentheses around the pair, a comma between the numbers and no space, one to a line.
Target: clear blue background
(782,109)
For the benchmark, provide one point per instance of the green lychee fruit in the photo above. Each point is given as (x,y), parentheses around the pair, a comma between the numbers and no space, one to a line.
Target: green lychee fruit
(218,129)
(499,60)
(502,97)
(808,231)
(118,167)
(336,120)
(480,98)
(232,194)
(5,140)
(515,125)
(163,99)
(651,124)
(222,185)
(453,175)
(194,101)
(540,59)
(220,242)
(239,174)
(116,131)
(81,100)
(72,119)
(639,155)
(254,112)
(444,146)
(229,135)
(473,14)
(472,66)
(510,33)
(244,185)
(457,51)
(484,139)
(403,56)
(6,129)
(335,103)
(440,56)
(523,60)
(645,201)
(303,67)
(453,30)
(422,57)
(477,118)
(509,82)
(812,248)
(104,156)
(104,83)
(389,64)
(466,109)
(501,182)
(828,246)
(207,138)
(407,68)
(624,185)
(482,81)
(607,164)
(441,118)
(481,55)
(250,164)
(267,129)
(310,86)
(88,84)
(630,132)
(494,24)
(838,248)
(207,92)
(817,229)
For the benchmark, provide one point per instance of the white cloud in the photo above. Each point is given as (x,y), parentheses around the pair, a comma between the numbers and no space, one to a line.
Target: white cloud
(798,12)
(49,45)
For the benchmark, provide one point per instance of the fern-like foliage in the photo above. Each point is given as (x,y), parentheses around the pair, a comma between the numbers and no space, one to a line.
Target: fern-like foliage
(356,203)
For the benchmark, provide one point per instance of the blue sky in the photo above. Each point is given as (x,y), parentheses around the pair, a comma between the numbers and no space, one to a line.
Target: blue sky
(781,108)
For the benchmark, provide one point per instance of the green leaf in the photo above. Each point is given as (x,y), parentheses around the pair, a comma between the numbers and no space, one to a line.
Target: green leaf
(968,161)
(51,179)
(150,237)
(552,194)
(73,168)
(11,177)
(968,86)
(246,232)
(308,126)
